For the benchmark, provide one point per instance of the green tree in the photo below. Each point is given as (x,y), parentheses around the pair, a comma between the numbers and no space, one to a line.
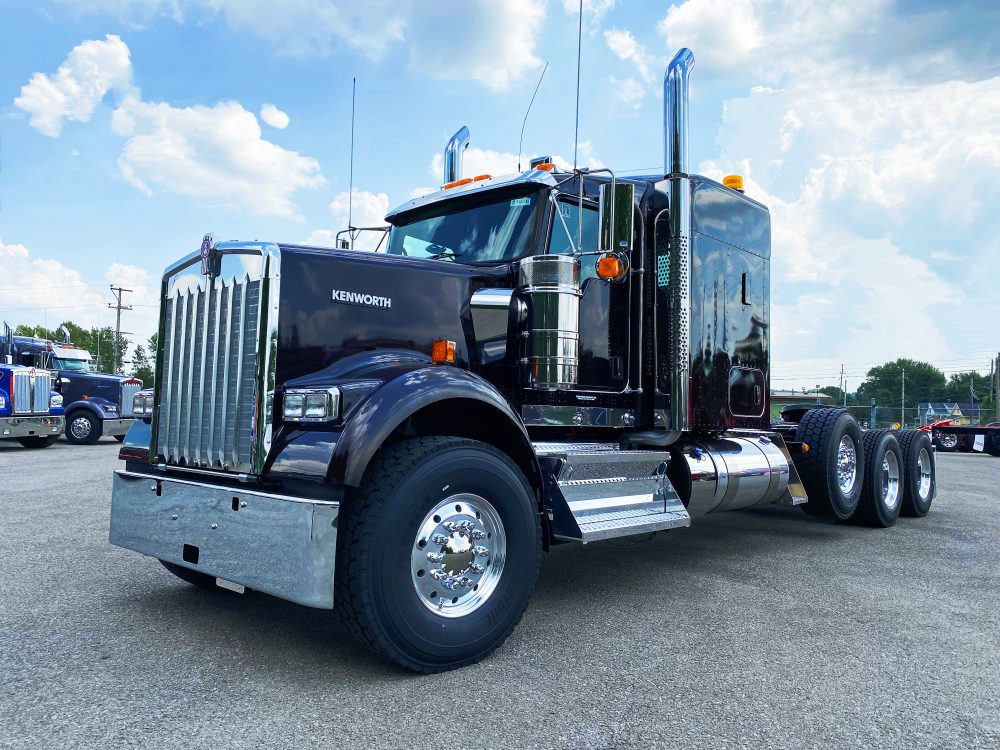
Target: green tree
(100,342)
(144,362)
(924,382)
(957,388)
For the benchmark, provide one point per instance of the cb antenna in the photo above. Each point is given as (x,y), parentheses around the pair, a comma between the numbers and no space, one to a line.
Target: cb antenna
(520,143)
(579,45)
(350,184)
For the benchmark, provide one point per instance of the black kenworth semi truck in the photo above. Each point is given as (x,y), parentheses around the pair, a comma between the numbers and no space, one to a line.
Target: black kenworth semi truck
(539,358)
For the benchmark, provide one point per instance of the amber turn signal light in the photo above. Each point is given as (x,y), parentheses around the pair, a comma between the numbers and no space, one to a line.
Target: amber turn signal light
(546,167)
(456,183)
(611,267)
(442,351)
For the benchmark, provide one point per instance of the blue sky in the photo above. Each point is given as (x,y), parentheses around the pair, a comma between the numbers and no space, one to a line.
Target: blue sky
(129,129)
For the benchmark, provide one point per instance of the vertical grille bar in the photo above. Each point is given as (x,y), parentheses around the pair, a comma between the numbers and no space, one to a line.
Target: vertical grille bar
(212,383)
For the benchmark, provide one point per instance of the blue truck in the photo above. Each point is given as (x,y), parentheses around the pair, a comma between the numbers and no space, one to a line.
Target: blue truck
(31,412)
(96,404)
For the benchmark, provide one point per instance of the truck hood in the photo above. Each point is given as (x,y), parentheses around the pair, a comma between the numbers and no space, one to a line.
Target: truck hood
(338,304)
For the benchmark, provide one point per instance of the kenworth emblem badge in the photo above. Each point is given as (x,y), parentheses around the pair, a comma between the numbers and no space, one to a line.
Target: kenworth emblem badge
(360,298)
(206,255)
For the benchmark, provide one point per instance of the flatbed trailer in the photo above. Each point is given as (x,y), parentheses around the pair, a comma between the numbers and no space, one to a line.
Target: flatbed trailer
(948,437)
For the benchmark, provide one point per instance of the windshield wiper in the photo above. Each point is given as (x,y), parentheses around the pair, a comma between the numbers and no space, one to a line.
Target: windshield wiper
(444,254)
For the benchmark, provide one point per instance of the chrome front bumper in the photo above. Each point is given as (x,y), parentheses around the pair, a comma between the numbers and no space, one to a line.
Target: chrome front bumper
(280,545)
(16,427)
(112,427)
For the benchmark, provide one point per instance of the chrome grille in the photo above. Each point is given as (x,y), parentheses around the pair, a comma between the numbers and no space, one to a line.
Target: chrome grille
(208,396)
(128,391)
(31,391)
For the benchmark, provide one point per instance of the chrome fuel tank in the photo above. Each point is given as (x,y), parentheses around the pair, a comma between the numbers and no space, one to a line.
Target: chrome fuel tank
(730,472)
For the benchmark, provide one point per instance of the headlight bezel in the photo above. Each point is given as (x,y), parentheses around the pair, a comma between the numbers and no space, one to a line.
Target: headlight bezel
(55,401)
(324,403)
(142,404)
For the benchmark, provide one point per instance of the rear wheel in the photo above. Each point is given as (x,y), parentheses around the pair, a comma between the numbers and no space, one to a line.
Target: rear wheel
(919,472)
(83,428)
(438,552)
(946,442)
(882,490)
(830,462)
(38,441)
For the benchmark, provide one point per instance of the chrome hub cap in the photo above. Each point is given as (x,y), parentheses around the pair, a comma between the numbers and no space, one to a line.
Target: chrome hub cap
(948,441)
(80,427)
(890,480)
(847,464)
(458,555)
(924,467)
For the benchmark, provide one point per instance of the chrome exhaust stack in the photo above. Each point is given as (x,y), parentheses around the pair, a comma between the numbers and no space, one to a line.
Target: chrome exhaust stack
(454,152)
(674,270)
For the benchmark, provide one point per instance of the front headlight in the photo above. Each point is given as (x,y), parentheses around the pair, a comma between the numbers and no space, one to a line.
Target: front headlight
(311,404)
(142,404)
(3,403)
(54,400)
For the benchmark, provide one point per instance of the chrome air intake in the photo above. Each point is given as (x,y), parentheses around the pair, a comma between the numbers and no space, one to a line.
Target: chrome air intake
(724,474)
(454,153)
(215,373)
(673,268)
(551,285)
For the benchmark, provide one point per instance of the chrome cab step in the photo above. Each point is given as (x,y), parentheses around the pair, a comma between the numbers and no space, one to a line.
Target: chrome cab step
(608,492)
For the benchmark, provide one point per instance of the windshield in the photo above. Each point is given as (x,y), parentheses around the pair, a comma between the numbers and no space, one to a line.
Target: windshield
(499,230)
(72,365)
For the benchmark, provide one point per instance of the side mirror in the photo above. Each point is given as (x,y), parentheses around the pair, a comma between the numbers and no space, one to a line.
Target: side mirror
(617,217)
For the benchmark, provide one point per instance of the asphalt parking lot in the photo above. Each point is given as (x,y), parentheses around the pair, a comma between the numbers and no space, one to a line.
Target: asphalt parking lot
(750,629)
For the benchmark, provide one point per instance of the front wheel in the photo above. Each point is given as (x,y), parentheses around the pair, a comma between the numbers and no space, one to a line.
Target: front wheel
(83,428)
(438,552)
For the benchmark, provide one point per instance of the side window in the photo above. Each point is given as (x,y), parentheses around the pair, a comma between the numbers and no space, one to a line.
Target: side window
(562,242)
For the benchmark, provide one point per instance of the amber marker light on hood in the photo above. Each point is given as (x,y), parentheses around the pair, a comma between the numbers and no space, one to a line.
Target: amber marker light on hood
(733,181)
(442,351)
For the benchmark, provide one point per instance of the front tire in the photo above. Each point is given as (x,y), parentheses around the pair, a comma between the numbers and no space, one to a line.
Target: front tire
(882,491)
(38,441)
(83,428)
(830,462)
(919,472)
(438,552)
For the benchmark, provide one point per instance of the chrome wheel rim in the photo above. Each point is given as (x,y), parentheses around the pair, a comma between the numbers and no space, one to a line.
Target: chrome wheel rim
(458,555)
(847,464)
(80,428)
(948,441)
(890,480)
(924,469)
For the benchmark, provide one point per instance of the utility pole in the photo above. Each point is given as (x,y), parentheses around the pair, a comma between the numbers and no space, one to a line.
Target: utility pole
(902,403)
(996,390)
(118,307)
(843,385)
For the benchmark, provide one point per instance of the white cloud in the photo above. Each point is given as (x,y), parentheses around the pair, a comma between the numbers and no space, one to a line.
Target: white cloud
(723,30)
(625,47)
(479,161)
(274,116)
(49,292)
(368,210)
(593,11)
(211,152)
(90,71)
(630,91)
(481,40)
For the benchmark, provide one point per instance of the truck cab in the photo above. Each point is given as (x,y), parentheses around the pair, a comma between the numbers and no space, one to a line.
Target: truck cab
(533,359)
(96,404)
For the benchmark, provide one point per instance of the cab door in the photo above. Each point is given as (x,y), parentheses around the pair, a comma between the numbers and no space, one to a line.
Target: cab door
(604,308)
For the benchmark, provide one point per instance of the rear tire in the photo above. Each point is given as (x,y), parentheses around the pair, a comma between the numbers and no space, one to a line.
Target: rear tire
(919,472)
(38,441)
(882,491)
(83,428)
(830,462)
(201,580)
(418,547)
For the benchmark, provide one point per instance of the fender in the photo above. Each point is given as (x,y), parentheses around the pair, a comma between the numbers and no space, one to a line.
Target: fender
(93,406)
(375,419)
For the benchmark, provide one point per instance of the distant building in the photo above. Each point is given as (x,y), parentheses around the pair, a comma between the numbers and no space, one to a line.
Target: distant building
(961,413)
(780,398)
